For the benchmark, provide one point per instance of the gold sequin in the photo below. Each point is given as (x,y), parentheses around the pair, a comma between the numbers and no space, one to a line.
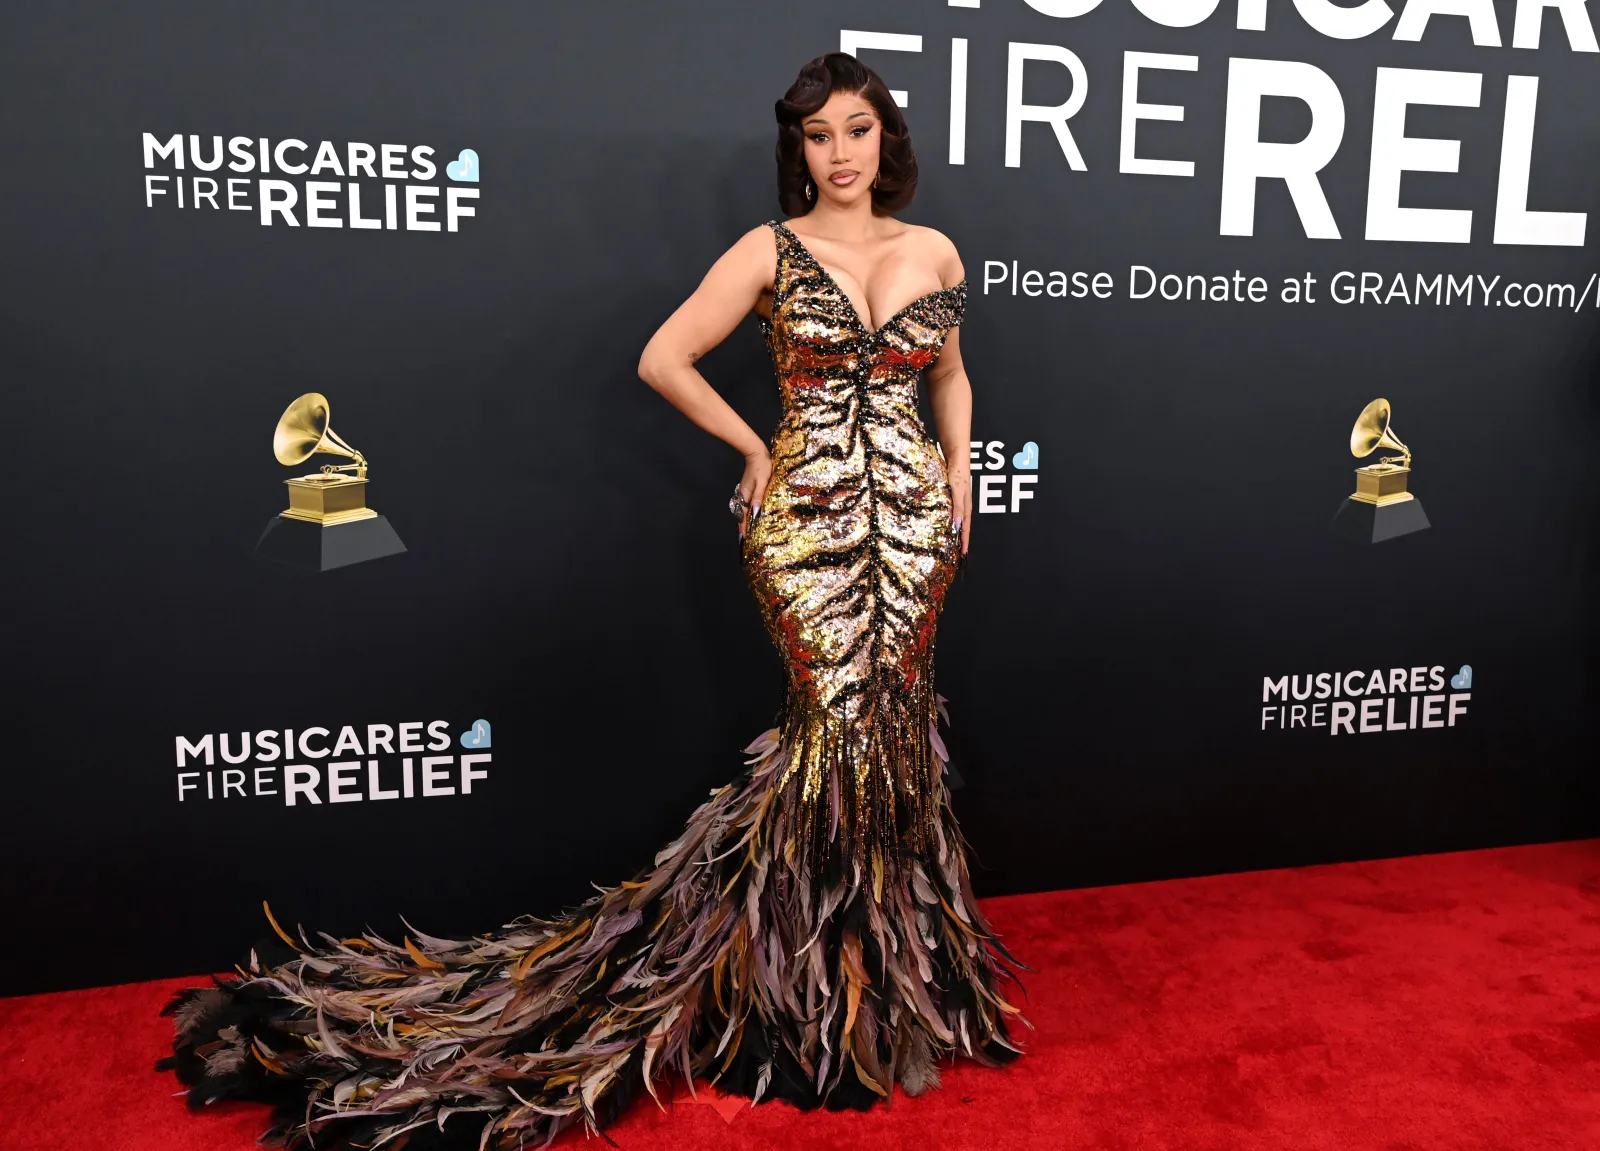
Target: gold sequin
(851,557)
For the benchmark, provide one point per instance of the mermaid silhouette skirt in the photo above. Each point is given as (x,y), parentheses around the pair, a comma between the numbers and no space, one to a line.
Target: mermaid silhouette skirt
(810,936)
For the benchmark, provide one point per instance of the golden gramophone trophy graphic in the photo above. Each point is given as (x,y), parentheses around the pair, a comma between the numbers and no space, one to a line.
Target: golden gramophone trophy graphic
(1382,507)
(327,523)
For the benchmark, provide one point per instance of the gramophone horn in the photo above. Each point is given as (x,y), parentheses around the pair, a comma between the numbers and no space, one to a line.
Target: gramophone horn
(1372,431)
(303,431)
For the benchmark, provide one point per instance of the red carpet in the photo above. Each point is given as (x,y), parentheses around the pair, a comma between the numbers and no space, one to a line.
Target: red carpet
(1435,1003)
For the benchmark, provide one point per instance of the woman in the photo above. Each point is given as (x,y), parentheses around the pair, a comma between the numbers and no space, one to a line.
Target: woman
(812,934)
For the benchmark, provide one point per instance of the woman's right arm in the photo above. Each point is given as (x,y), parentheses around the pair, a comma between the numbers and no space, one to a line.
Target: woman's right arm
(727,293)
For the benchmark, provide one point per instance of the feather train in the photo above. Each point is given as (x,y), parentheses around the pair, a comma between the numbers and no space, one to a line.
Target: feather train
(722,961)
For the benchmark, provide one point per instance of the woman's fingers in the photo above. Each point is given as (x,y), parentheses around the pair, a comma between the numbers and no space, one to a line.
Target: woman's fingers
(759,495)
(961,513)
(753,488)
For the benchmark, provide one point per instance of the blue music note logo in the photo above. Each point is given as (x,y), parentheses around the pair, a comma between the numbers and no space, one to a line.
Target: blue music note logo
(465,167)
(478,737)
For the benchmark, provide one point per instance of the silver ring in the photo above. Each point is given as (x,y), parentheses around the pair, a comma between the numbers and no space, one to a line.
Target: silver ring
(738,505)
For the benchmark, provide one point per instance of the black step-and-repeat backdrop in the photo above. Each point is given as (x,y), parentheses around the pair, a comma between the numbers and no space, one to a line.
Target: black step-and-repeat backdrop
(1202,238)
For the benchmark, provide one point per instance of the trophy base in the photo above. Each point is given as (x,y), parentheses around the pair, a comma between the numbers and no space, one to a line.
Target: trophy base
(1382,484)
(314,547)
(327,499)
(1371,523)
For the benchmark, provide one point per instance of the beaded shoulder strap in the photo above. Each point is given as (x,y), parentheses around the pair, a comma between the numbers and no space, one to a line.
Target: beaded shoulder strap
(958,302)
(785,248)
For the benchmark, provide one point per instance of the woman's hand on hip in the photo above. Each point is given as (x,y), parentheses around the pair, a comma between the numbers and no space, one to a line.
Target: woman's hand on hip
(961,506)
(753,486)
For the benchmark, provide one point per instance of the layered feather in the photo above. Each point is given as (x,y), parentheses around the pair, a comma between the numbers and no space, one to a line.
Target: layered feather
(722,961)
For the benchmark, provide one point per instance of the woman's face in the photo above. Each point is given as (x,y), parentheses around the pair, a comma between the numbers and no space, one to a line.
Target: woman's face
(842,142)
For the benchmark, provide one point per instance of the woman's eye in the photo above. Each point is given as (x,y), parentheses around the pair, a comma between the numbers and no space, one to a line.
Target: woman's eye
(859,131)
(818,138)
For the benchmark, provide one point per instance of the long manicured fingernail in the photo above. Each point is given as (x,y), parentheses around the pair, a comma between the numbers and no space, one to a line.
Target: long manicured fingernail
(957,522)
(754,512)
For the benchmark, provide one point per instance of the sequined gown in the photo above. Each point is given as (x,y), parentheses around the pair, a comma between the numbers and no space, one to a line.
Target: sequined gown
(811,935)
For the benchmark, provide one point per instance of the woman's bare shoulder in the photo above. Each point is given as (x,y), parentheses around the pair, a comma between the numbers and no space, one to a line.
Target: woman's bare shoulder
(941,252)
(751,257)
(758,240)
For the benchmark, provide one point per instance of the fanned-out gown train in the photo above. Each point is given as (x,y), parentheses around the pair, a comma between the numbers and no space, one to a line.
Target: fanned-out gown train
(812,934)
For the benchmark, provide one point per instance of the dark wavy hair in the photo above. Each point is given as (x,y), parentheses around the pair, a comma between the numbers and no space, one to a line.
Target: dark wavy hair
(819,79)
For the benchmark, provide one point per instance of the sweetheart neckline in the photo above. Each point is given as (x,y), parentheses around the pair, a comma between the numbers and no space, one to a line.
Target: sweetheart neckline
(855,313)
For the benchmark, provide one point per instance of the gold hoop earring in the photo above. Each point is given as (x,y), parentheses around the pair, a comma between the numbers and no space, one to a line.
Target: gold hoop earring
(811,191)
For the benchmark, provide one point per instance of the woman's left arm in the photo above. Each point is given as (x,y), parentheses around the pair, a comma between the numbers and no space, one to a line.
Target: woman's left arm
(950,397)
